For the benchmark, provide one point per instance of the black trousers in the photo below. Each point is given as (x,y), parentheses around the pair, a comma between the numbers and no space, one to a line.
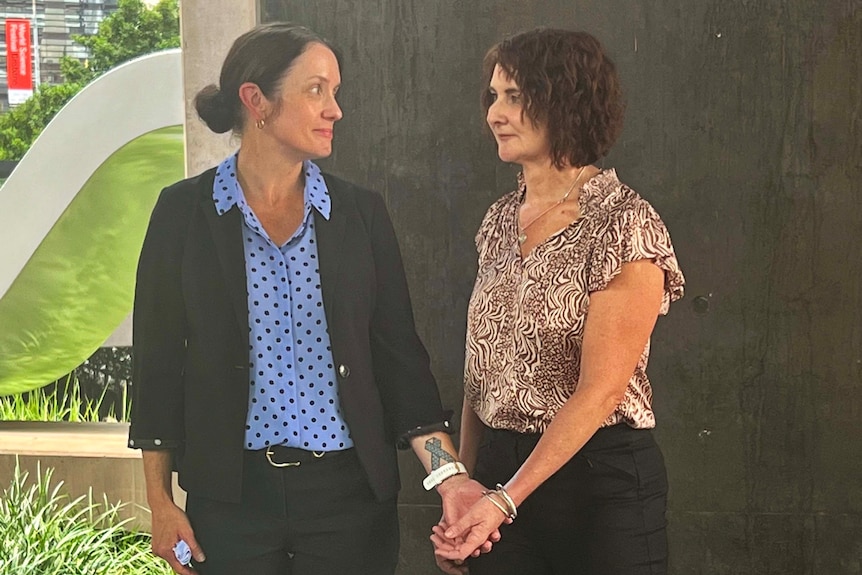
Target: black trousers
(316,518)
(603,513)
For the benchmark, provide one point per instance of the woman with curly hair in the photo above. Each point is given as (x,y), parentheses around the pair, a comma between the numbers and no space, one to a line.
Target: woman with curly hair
(574,269)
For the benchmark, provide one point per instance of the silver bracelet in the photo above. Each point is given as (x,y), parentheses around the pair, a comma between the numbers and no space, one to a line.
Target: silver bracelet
(490,496)
(510,503)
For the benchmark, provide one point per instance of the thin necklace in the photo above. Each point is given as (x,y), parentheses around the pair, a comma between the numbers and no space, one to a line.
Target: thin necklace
(522,236)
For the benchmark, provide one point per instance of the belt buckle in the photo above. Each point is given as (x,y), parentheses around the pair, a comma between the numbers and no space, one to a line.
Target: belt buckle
(269,454)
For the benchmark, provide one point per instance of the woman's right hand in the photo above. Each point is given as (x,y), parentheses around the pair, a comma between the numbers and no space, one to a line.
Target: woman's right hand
(459,494)
(169,526)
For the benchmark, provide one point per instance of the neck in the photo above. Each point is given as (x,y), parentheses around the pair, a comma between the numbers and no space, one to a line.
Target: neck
(265,175)
(547,183)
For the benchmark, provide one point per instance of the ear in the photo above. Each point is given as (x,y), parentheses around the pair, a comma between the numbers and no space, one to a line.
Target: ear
(255,103)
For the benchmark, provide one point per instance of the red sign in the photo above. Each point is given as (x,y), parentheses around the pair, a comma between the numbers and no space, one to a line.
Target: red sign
(19,62)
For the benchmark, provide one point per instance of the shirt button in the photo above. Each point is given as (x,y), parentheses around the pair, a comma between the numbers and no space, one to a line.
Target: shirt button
(157,442)
(343,371)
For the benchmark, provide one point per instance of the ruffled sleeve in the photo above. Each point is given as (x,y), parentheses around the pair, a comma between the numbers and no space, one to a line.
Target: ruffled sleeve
(631,233)
(494,226)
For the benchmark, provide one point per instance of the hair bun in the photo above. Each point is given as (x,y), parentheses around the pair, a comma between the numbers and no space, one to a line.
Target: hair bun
(213,108)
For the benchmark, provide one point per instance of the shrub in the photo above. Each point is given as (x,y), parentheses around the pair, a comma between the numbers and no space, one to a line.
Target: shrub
(44,532)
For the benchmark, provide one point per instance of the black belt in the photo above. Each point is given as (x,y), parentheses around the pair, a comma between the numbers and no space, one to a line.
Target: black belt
(282,456)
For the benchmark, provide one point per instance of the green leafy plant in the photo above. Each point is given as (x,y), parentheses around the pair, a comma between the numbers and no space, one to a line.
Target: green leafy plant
(60,402)
(45,532)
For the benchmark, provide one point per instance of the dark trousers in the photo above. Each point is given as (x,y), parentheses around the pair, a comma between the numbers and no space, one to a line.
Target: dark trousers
(603,513)
(317,518)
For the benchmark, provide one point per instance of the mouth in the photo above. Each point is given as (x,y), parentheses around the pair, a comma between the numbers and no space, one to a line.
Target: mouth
(325,133)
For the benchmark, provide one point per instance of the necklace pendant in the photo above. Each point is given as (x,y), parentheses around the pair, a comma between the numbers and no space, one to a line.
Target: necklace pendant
(522,237)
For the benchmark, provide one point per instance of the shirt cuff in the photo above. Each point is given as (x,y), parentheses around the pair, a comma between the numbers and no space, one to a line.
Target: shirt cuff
(138,443)
(445,426)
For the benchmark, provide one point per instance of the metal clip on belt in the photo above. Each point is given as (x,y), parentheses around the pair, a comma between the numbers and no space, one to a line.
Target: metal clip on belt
(269,454)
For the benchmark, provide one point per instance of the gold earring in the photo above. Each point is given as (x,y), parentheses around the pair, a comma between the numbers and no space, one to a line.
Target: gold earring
(260,124)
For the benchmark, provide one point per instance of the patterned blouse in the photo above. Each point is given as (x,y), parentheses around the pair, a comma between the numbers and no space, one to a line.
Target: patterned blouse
(525,321)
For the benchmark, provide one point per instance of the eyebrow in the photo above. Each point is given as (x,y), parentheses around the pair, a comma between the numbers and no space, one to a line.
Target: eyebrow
(507,91)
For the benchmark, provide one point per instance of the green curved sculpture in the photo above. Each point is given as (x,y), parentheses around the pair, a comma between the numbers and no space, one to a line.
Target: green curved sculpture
(73,215)
(78,285)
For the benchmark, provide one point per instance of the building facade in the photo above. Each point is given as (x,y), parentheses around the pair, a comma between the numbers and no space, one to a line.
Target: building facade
(56,22)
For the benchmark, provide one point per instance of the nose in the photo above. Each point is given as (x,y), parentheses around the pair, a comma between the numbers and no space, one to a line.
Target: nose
(494,115)
(333,110)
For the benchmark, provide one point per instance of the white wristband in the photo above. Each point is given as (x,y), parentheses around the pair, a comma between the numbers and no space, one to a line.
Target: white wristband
(441,474)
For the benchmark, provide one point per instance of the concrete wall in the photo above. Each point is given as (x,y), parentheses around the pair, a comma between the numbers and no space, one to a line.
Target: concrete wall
(208,28)
(744,130)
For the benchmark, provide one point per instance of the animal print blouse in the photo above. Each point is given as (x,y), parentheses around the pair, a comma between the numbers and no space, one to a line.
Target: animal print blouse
(525,321)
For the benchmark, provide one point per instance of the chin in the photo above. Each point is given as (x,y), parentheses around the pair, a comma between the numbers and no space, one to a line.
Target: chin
(507,155)
(320,154)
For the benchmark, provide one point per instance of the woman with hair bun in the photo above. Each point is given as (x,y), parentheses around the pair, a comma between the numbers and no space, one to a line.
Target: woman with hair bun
(574,269)
(276,363)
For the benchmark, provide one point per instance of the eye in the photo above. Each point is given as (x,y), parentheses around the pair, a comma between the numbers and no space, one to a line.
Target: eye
(515,98)
(317,89)
(492,96)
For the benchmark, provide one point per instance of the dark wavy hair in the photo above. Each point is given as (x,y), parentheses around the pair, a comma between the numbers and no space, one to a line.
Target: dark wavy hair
(569,85)
(263,55)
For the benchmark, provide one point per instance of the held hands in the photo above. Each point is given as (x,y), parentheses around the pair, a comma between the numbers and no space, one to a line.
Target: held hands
(460,496)
(170,525)
(449,566)
(472,533)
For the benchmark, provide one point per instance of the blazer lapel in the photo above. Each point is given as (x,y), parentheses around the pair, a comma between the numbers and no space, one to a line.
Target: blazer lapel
(330,235)
(227,236)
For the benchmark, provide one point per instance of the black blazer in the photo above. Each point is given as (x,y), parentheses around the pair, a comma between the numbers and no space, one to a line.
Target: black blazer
(190,379)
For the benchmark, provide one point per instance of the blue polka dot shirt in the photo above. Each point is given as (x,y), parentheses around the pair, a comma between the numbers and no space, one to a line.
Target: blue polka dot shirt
(293,389)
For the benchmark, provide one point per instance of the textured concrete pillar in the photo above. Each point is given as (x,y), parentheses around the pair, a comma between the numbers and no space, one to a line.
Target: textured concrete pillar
(208,28)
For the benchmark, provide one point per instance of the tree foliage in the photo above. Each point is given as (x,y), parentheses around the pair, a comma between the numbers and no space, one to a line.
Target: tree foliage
(20,126)
(131,31)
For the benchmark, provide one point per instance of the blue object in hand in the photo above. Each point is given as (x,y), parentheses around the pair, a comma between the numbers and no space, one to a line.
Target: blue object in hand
(183,552)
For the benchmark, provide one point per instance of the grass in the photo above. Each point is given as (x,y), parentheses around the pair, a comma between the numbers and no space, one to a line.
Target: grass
(63,402)
(44,532)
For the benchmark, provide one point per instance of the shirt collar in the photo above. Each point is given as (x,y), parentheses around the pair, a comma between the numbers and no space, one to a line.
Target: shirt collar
(228,193)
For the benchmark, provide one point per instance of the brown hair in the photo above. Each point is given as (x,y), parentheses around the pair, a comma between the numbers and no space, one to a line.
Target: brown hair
(569,85)
(263,55)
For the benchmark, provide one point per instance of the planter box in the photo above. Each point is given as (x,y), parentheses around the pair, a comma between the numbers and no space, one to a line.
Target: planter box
(85,456)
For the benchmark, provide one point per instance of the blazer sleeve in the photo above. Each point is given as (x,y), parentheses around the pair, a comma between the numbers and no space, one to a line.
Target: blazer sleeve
(159,328)
(402,367)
